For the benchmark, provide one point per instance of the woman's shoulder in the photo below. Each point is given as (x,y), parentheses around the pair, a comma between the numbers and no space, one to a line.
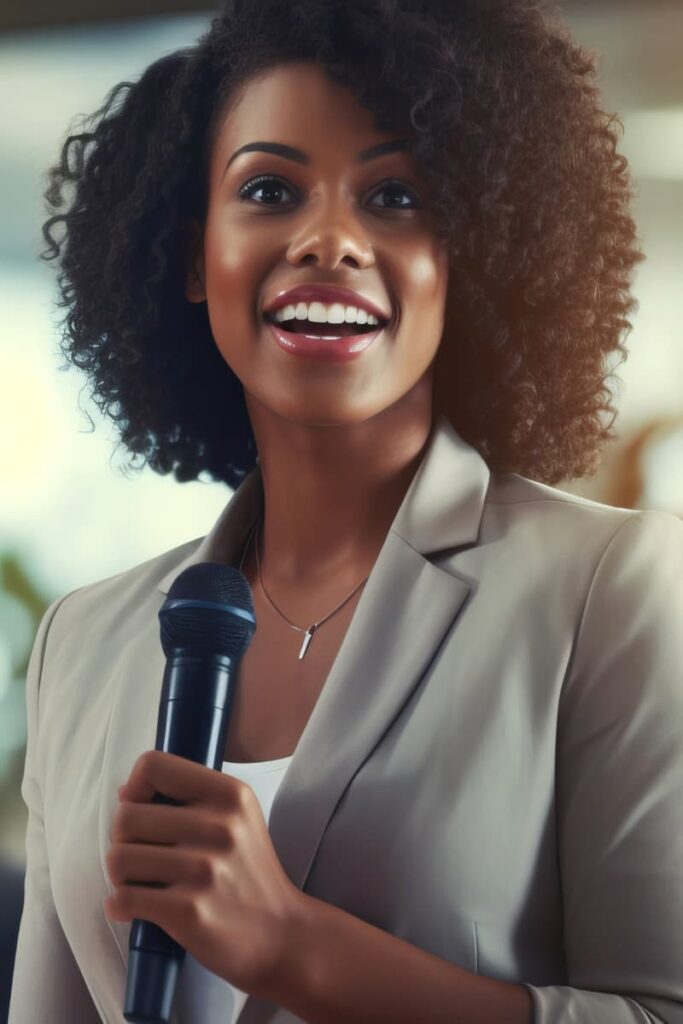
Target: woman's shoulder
(117,597)
(552,529)
(93,624)
(514,496)
(513,489)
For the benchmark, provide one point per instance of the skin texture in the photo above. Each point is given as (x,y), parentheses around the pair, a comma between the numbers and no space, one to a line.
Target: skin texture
(338,443)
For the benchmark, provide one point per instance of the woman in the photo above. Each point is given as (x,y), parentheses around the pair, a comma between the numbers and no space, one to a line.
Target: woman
(462,700)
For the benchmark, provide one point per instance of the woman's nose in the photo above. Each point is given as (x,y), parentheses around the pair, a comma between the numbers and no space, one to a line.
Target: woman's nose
(332,234)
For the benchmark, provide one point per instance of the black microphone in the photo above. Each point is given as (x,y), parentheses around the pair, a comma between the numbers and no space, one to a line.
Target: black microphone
(207,622)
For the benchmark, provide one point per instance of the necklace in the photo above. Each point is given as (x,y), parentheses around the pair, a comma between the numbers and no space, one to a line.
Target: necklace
(311,629)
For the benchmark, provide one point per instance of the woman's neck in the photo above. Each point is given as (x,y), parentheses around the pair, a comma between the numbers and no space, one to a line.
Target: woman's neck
(331,493)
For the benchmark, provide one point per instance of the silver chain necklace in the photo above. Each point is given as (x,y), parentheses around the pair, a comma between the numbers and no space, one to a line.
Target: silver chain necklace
(311,629)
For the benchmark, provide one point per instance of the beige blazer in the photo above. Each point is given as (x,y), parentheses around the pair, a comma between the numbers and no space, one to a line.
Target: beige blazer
(493,770)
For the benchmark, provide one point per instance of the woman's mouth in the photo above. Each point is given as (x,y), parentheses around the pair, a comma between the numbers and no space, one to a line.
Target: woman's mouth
(323,341)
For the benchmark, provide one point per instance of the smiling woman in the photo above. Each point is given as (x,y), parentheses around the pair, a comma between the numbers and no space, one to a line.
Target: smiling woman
(492,112)
(365,262)
(340,200)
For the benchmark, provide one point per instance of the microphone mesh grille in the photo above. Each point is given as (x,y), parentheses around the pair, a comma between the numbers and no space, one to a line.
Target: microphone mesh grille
(226,627)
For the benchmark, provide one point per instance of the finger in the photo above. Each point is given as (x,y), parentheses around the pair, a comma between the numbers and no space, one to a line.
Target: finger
(159,823)
(130,863)
(171,909)
(157,771)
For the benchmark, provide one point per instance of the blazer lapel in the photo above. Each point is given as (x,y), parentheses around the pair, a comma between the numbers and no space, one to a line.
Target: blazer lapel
(407,607)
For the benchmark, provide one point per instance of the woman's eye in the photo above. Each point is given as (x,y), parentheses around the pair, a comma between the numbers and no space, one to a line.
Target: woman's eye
(268,184)
(258,184)
(395,188)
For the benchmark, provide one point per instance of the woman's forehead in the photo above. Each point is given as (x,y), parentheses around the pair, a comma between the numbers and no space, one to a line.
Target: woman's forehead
(300,101)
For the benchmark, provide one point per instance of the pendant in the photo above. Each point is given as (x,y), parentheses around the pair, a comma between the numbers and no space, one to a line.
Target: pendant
(307,640)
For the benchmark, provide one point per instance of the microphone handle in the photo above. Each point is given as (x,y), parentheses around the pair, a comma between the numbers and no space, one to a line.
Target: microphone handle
(194,714)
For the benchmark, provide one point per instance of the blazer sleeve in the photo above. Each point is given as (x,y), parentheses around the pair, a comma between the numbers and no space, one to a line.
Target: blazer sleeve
(47,984)
(619,788)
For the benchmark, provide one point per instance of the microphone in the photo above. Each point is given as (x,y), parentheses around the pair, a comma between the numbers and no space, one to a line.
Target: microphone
(207,622)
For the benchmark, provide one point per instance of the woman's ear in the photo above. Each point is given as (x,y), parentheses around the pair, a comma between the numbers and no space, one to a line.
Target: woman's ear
(194,281)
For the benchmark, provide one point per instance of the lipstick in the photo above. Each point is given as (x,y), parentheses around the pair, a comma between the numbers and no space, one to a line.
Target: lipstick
(328,348)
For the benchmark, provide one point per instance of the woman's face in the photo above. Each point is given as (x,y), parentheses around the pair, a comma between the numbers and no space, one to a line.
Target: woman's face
(323,218)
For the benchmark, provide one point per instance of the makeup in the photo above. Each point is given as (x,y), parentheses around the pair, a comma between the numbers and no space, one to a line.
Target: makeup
(336,350)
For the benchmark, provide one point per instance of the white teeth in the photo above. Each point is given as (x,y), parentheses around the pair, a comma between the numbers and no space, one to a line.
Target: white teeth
(319,313)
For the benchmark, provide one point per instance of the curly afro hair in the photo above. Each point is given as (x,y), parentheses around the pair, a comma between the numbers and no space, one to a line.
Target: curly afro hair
(527,188)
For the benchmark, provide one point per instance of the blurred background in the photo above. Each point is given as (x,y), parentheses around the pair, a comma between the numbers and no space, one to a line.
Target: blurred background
(71,515)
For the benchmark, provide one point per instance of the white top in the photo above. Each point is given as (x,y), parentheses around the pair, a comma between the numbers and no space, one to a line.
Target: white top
(200,994)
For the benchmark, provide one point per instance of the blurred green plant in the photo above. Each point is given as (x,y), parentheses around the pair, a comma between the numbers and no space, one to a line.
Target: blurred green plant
(22,605)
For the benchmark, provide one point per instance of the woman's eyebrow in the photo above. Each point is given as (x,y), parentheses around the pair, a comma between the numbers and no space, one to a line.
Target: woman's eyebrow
(291,153)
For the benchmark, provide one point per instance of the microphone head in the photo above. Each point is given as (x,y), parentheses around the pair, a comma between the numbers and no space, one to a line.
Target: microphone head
(209,609)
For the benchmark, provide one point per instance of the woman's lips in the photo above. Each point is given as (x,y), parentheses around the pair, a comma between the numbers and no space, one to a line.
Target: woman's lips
(334,350)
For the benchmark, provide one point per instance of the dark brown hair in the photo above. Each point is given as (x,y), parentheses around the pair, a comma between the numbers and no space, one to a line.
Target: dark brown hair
(526,185)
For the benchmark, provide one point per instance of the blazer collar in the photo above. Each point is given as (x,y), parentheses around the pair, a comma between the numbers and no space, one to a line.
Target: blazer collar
(441,509)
